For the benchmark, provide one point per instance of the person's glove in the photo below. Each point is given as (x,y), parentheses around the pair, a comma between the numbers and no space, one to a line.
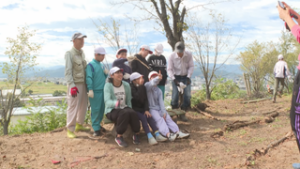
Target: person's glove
(106,71)
(91,94)
(188,81)
(74,91)
(176,82)
(126,76)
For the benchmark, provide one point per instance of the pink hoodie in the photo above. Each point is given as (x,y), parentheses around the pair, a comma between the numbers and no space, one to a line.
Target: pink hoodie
(296,33)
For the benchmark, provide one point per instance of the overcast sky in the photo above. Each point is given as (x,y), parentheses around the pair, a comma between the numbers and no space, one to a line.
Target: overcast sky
(57,20)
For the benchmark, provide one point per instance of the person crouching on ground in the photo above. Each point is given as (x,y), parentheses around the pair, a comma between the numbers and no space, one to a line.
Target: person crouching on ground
(120,62)
(163,121)
(96,75)
(117,97)
(140,105)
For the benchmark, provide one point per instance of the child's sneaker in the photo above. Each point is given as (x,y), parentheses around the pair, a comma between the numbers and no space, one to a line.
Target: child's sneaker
(120,141)
(172,137)
(183,135)
(152,141)
(160,138)
(71,134)
(136,139)
(296,165)
(97,133)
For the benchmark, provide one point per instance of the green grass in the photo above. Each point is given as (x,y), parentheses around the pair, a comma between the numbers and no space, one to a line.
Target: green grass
(37,87)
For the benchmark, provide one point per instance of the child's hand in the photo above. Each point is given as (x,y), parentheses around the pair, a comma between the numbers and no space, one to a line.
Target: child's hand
(165,115)
(160,75)
(148,115)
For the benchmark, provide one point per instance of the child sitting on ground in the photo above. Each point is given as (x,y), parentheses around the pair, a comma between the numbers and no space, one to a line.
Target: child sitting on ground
(140,105)
(163,121)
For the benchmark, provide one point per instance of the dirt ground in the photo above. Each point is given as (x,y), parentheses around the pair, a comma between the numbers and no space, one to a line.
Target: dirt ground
(198,151)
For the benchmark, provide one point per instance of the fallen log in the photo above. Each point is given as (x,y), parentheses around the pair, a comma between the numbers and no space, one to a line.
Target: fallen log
(254,101)
(206,114)
(257,153)
(238,124)
(217,134)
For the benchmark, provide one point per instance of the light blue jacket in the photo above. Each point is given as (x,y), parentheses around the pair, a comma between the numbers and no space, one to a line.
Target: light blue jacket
(110,98)
(154,95)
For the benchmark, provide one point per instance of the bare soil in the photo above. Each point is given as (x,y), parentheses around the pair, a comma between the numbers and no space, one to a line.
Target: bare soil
(199,151)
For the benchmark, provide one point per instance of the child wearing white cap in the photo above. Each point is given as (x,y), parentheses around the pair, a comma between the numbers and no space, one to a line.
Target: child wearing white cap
(140,105)
(166,126)
(158,62)
(281,71)
(120,62)
(96,74)
(117,97)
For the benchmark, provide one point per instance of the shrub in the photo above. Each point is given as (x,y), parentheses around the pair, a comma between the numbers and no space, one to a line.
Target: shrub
(222,90)
(41,122)
(59,93)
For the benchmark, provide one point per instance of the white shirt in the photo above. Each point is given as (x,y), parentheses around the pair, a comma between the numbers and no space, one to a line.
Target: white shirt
(183,66)
(281,69)
(120,95)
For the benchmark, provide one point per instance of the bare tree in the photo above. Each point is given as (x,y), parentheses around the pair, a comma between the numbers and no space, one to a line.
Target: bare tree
(22,55)
(211,45)
(117,36)
(169,15)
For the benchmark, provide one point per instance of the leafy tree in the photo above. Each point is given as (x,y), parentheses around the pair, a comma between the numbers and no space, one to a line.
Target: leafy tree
(22,54)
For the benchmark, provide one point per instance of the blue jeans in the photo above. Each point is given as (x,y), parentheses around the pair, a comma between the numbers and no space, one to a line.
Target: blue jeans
(186,94)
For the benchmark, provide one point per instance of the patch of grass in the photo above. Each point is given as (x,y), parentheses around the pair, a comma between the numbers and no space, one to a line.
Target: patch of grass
(243,132)
(257,139)
(242,143)
(37,87)
(212,160)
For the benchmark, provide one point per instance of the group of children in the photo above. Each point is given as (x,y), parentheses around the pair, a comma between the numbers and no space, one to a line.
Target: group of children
(131,94)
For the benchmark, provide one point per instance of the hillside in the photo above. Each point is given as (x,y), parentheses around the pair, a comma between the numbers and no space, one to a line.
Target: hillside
(199,151)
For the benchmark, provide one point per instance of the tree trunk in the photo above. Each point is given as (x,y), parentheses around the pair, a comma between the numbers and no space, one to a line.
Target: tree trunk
(5,128)
(208,94)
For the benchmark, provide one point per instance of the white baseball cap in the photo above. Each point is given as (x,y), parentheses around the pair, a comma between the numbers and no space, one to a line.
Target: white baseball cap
(152,73)
(147,48)
(134,76)
(121,50)
(280,57)
(78,35)
(159,48)
(99,50)
(114,70)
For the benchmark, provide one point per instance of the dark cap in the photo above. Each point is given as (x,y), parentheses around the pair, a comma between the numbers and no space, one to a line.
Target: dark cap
(179,47)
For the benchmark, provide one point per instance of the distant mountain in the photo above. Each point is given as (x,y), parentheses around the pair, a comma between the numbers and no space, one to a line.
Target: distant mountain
(227,71)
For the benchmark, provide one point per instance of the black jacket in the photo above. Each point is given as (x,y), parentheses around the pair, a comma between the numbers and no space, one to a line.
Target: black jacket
(159,63)
(139,99)
(137,66)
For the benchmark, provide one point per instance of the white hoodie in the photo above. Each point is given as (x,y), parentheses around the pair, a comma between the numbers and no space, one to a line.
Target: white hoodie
(281,69)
